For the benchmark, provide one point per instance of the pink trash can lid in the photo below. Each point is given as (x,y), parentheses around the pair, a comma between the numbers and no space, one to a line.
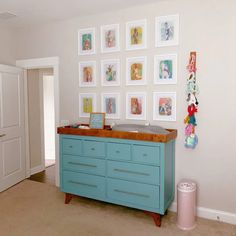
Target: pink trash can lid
(187,186)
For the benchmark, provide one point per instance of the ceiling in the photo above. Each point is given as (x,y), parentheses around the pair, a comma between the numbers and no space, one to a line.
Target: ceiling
(32,12)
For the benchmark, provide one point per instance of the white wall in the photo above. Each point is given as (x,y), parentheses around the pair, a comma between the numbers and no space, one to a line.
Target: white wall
(205,26)
(7,46)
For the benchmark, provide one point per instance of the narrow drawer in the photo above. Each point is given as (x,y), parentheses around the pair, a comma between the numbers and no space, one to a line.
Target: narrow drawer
(118,151)
(71,146)
(146,154)
(83,164)
(134,193)
(94,149)
(134,172)
(84,184)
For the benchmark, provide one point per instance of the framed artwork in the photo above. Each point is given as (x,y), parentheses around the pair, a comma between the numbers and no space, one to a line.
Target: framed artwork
(167,30)
(136,34)
(111,105)
(97,120)
(87,74)
(136,71)
(136,106)
(165,69)
(87,104)
(110,38)
(164,106)
(110,72)
(86,41)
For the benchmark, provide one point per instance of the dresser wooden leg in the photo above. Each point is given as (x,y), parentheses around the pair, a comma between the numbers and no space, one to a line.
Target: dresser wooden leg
(68,198)
(156,217)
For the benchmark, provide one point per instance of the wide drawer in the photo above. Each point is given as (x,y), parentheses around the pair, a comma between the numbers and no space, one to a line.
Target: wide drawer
(134,193)
(72,146)
(83,164)
(118,151)
(146,154)
(134,172)
(83,184)
(94,149)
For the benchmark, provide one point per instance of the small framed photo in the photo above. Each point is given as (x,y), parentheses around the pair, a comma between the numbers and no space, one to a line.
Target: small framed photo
(87,104)
(167,30)
(87,74)
(86,41)
(136,71)
(111,105)
(110,38)
(110,72)
(136,106)
(97,120)
(136,34)
(165,69)
(164,106)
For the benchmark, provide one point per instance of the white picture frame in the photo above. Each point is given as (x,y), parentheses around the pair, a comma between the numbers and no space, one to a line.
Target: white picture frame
(167,30)
(164,106)
(136,34)
(136,70)
(165,69)
(110,72)
(110,104)
(136,105)
(87,106)
(110,38)
(87,74)
(86,41)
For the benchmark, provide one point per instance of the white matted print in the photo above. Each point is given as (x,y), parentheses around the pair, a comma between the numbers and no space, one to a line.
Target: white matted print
(136,71)
(87,74)
(110,38)
(136,34)
(110,72)
(165,69)
(167,30)
(164,106)
(136,106)
(111,105)
(86,41)
(87,104)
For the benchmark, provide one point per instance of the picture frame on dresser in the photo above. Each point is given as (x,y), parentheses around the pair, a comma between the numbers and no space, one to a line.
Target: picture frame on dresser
(164,106)
(97,120)
(110,38)
(110,103)
(136,105)
(87,74)
(87,104)
(86,41)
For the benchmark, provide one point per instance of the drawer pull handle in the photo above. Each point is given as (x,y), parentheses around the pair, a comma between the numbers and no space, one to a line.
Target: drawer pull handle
(81,164)
(145,155)
(70,146)
(117,152)
(131,193)
(83,184)
(92,149)
(131,172)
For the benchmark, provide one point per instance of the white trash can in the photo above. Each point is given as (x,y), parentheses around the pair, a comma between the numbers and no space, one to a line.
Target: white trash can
(186,205)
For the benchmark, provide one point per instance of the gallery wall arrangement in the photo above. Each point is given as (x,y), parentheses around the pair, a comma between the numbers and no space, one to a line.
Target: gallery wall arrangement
(165,72)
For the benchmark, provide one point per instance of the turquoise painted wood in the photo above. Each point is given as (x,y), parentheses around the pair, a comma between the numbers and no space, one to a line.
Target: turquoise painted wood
(132,173)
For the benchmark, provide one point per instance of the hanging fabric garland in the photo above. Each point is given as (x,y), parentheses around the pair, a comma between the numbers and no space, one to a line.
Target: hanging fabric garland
(191,138)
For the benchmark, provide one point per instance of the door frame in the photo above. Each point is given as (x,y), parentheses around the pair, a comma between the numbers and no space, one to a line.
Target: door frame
(40,63)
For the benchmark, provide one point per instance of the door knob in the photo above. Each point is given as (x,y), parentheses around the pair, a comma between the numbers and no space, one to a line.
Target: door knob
(2,135)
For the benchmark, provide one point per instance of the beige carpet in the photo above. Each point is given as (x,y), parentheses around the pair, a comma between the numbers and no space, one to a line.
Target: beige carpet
(31,208)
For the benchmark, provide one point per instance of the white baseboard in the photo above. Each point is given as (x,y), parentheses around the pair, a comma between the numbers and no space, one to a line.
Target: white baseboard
(211,214)
(37,169)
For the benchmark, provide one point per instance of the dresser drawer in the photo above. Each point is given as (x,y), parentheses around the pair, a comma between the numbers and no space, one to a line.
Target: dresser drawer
(83,164)
(83,184)
(94,149)
(146,154)
(118,151)
(134,172)
(71,146)
(134,193)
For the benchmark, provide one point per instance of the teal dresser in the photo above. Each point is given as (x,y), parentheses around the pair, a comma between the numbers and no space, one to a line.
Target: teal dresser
(132,173)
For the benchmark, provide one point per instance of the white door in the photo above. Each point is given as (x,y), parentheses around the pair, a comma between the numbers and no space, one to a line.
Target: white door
(12,129)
